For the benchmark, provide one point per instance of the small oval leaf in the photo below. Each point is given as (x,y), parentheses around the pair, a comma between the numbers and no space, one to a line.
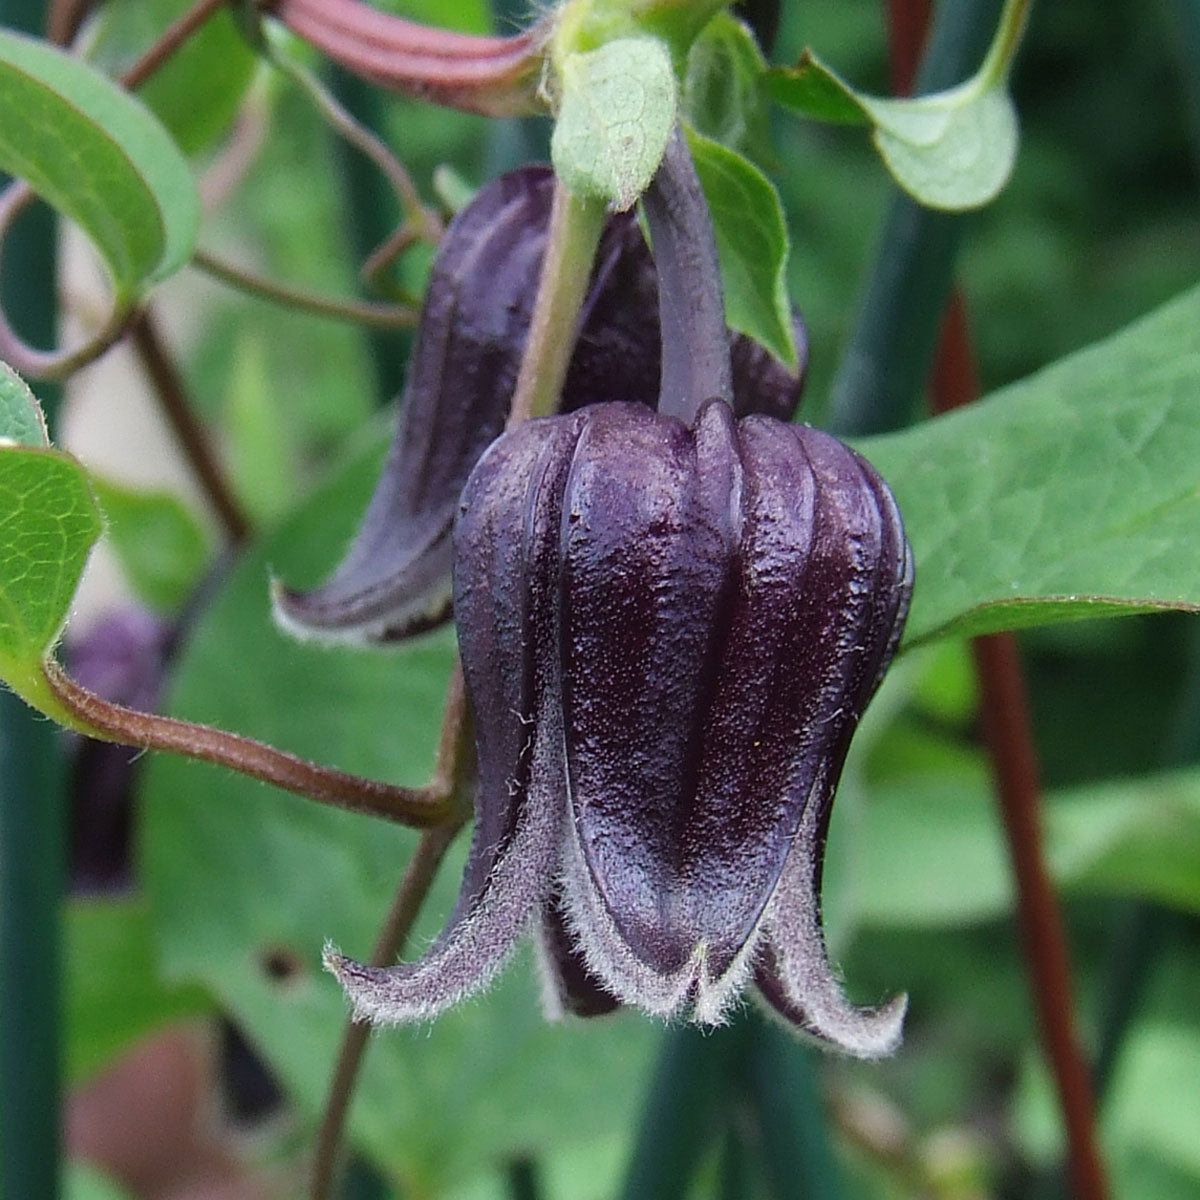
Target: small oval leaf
(752,245)
(951,150)
(100,157)
(618,109)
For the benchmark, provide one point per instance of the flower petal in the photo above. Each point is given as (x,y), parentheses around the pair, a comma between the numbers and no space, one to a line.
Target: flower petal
(395,578)
(794,975)
(505,600)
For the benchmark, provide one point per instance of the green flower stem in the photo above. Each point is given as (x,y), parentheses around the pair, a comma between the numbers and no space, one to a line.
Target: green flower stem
(885,364)
(575,227)
(1003,50)
(32,862)
(32,805)
(790,1112)
(684,1110)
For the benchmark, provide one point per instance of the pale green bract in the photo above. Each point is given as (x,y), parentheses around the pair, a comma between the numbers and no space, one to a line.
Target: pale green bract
(618,109)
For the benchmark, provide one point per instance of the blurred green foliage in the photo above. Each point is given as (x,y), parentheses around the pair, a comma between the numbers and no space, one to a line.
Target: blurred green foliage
(1099,225)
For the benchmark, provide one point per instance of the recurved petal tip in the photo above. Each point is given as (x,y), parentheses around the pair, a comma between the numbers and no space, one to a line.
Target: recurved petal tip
(816,1005)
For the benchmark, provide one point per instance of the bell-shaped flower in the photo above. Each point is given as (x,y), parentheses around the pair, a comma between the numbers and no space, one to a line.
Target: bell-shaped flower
(395,578)
(670,623)
(668,636)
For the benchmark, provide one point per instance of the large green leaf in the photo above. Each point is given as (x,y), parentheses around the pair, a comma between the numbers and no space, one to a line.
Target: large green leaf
(1075,493)
(100,157)
(752,244)
(113,993)
(247,884)
(932,852)
(48,525)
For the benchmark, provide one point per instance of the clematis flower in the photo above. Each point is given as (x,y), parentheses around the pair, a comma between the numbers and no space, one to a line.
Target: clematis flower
(395,578)
(668,633)
(670,623)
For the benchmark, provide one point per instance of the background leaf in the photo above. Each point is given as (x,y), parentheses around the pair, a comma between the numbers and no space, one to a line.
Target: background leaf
(933,853)
(246,884)
(114,995)
(1075,493)
(197,91)
(951,150)
(162,547)
(96,154)
(752,244)
(723,95)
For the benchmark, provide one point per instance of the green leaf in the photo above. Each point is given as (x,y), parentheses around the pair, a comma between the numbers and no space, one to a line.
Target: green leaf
(1075,493)
(21,418)
(618,109)
(723,95)
(96,154)
(247,883)
(114,995)
(261,462)
(162,547)
(48,524)
(84,1182)
(198,90)
(752,245)
(951,150)
(1138,837)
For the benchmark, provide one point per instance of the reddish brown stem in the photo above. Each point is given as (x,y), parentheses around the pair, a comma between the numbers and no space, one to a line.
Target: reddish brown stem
(1014,764)
(908,23)
(453,775)
(1009,733)
(193,439)
(423,808)
(1008,729)
(172,38)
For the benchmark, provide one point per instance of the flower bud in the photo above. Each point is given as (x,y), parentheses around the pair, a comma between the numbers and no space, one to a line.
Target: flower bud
(395,578)
(668,636)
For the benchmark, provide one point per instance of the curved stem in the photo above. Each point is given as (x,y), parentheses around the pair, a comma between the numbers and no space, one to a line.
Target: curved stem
(359,312)
(424,224)
(575,227)
(191,435)
(691,303)
(493,76)
(172,38)
(454,776)
(414,886)
(88,713)
(27,359)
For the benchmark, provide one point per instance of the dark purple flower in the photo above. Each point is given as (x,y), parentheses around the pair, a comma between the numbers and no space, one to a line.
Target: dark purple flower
(395,578)
(669,633)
